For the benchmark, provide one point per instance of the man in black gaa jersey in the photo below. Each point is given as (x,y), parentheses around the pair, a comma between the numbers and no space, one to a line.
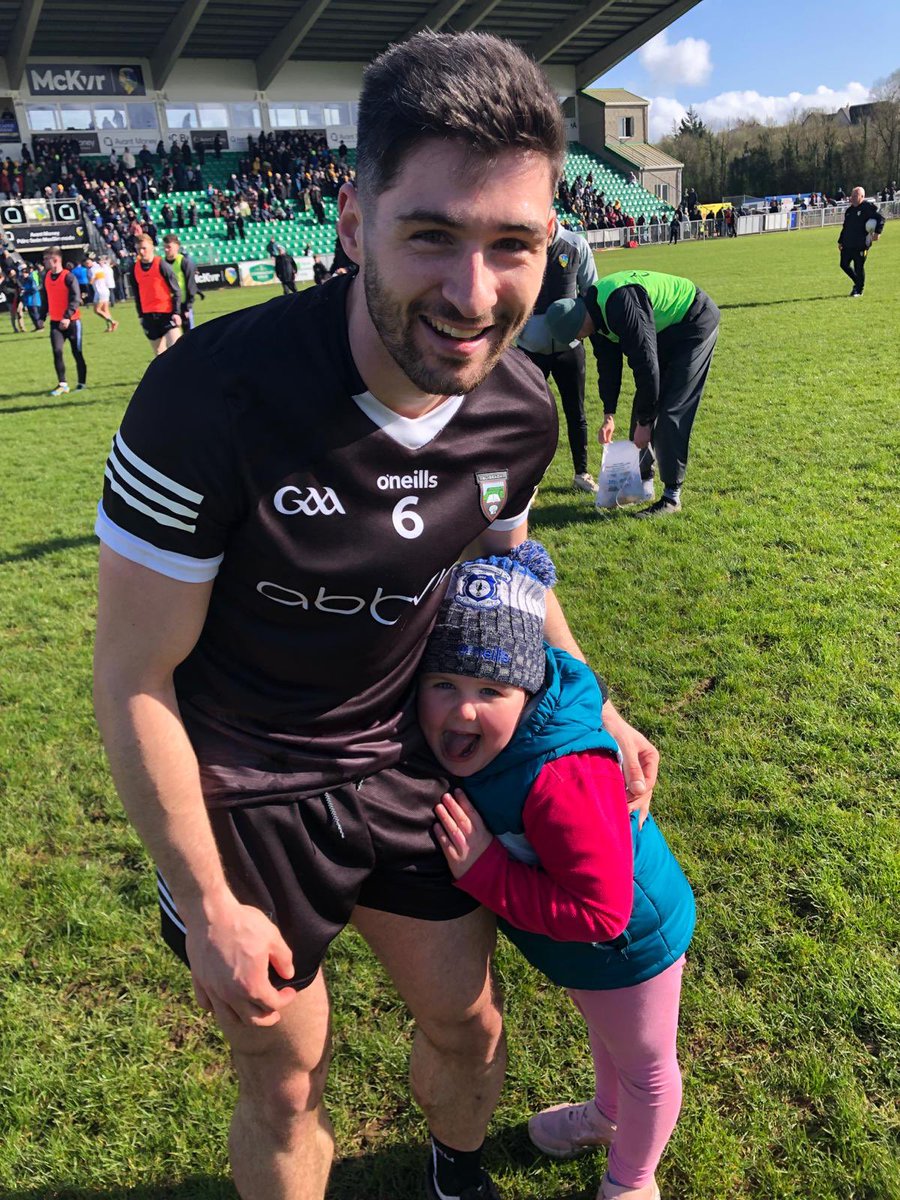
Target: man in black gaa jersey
(285,496)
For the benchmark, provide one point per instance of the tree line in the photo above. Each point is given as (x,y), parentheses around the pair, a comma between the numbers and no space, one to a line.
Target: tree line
(812,152)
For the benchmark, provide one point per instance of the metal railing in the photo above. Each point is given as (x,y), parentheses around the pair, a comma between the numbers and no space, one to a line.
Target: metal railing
(716,227)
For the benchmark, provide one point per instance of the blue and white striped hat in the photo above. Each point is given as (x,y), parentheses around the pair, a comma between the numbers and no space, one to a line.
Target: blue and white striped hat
(491,621)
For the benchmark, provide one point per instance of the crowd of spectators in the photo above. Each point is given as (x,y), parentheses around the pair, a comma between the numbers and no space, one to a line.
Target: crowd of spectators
(281,176)
(586,206)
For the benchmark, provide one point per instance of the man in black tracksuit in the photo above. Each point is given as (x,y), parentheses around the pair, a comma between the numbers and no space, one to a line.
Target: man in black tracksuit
(855,238)
(570,271)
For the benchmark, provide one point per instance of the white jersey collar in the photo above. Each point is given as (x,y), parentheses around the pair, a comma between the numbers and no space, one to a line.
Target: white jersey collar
(411,432)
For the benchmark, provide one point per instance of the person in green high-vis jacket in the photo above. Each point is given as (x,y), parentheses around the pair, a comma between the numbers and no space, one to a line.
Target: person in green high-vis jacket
(666,328)
(186,275)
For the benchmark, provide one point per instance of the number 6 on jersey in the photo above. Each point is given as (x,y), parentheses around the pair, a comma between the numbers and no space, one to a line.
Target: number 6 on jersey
(408,524)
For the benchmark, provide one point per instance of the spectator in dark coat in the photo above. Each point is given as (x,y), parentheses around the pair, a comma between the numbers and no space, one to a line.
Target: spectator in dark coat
(285,270)
(862,226)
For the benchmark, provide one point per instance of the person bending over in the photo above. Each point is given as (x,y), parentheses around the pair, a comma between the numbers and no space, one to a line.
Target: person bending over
(666,328)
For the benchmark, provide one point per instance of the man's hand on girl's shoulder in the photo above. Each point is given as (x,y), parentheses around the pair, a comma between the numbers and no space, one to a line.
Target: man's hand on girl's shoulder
(640,760)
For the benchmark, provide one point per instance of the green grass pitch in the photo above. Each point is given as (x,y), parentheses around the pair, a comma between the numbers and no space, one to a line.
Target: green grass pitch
(754,638)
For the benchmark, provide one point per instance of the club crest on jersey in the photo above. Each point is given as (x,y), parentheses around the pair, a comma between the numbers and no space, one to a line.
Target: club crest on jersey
(492,492)
(563,261)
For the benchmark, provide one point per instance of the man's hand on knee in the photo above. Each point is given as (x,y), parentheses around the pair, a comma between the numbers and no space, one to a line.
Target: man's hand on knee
(230,958)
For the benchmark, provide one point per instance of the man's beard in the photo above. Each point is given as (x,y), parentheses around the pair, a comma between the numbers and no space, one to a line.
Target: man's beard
(397,333)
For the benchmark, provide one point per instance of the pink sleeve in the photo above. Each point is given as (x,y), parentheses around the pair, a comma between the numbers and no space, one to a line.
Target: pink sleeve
(576,819)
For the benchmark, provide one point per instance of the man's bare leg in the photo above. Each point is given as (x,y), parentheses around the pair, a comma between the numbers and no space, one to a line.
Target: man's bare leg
(281,1142)
(169,338)
(442,971)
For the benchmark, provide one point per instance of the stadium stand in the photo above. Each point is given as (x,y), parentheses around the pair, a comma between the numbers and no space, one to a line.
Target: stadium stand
(208,241)
(632,199)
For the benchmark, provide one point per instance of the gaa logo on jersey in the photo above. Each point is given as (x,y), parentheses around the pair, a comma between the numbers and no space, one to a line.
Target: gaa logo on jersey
(484,588)
(492,492)
(309,502)
(563,261)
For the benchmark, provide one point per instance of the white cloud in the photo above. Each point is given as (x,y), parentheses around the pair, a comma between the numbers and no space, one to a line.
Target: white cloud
(729,107)
(686,61)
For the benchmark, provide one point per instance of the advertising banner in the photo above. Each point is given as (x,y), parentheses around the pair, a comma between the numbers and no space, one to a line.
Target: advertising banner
(88,143)
(9,125)
(341,133)
(131,140)
(751,224)
(13,214)
(254,274)
(84,79)
(206,138)
(304,269)
(781,220)
(224,275)
(27,212)
(40,236)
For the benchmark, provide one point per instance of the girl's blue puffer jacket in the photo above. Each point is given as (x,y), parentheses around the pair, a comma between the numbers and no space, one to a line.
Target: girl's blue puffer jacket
(564,718)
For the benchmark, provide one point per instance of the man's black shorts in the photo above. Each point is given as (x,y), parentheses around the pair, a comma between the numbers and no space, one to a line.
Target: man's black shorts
(157,325)
(307,863)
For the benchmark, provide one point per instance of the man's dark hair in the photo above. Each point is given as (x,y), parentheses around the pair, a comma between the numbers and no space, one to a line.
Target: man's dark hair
(470,87)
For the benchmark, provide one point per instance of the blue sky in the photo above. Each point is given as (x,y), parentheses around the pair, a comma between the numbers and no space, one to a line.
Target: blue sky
(762,59)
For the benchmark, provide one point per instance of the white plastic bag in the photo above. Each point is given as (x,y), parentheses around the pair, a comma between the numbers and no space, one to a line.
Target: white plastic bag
(620,477)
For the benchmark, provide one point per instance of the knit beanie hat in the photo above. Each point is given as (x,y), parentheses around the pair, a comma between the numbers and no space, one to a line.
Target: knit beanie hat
(491,621)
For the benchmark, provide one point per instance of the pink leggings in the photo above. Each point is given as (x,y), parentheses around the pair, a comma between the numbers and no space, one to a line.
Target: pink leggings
(633,1032)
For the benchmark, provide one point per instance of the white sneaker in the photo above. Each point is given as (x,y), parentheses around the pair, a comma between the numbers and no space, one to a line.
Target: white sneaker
(567,1130)
(60,389)
(615,1191)
(585,483)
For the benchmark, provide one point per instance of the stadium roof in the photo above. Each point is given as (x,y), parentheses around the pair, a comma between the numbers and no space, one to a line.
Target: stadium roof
(614,96)
(591,37)
(642,154)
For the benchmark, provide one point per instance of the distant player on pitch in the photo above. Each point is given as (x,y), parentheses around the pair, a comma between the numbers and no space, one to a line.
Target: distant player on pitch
(61,299)
(157,296)
(103,281)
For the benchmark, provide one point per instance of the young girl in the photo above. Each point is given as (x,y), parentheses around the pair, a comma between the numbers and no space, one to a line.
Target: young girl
(542,835)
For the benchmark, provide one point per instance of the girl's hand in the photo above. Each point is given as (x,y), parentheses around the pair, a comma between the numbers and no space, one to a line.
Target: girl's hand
(461,833)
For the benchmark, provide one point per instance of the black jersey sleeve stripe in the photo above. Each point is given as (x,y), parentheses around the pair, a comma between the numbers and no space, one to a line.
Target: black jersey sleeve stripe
(160,518)
(167,904)
(145,468)
(126,479)
(182,567)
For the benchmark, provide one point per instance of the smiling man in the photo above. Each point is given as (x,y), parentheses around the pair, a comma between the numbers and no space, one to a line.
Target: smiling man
(283,501)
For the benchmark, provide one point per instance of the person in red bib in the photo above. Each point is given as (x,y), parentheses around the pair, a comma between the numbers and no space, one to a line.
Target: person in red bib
(60,297)
(157,296)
